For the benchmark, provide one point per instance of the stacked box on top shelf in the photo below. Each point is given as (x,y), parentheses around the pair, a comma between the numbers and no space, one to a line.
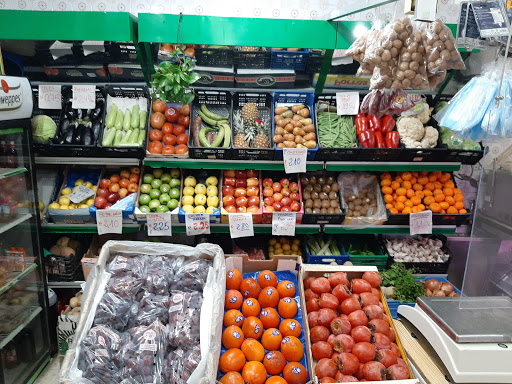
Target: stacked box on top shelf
(215,76)
(289,58)
(200,194)
(276,187)
(365,250)
(251,57)
(265,78)
(214,55)
(240,191)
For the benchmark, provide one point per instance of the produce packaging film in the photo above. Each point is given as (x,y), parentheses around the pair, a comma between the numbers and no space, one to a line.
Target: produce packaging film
(96,304)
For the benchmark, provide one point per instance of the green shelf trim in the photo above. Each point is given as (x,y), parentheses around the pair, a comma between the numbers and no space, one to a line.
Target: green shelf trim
(227,164)
(62,228)
(43,365)
(5,172)
(43,25)
(384,166)
(17,278)
(382,229)
(259,229)
(9,131)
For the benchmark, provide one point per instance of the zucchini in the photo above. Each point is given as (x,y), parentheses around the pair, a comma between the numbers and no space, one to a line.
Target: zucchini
(135,117)
(118,138)
(143,118)
(134,136)
(109,137)
(111,117)
(126,136)
(142,136)
(127,119)
(119,120)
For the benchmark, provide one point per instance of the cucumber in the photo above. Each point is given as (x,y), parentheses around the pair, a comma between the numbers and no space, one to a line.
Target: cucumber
(111,117)
(134,136)
(142,136)
(119,120)
(135,117)
(143,118)
(127,119)
(118,138)
(126,136)
(109,137)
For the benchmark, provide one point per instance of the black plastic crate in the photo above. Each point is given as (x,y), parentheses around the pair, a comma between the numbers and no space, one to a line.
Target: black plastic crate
(130,92)
(463,156)
(264,103)
(126,52)
(44,149)
(333,154)
(214,57)
(289,59)
(76,275)
(316,59)
(423,155)
(217,102)
(379,154)
(61,265)
(259,59)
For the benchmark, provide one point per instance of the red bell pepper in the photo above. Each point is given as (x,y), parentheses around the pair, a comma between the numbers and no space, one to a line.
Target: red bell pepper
(367,139)
(375,123)
(361,124)
(379,139)
(360,114)
(388,124)
(392,139)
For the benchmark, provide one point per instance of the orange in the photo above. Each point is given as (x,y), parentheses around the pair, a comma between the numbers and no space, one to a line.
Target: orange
(253,350)
(269,318)
(416,200)
(463,211)
(407,210)
(233,317)
(417,187)
(292,348)
(432,177)
(406,175)
(445,177)
(385,183)
(458,197)
(401,199)
(450,200)
(251,307)
(388,198)
(401,191)
(413,180)
(422,180)
(420,194)
(286,289)
(406,184)
(438,174)
(385,175)
(459,205)
(232,337)
(438,191)
(456,191)
(233,279)
(233,299)
(287,308)
(389,206)
(267,278)
(422,207)
(295,373)
(252,328)
(439,197)
(254,373)
(290,327)
(387,190)
(269,297)
(395,196)
(276,380)
(408,203)
(232,378)
(395,185)
(232,360)
(430,186)
(416,209)
(394,211)
(424,173)
(438,185)
(442,211)
(414,174)
(452,210)
(250,288)
(271,339)
(274,362)
(429,200)
(449,184)
(435,207)
(448,191)
(400,206)
(444,205)
(410,193)
(399,179)
(427,192)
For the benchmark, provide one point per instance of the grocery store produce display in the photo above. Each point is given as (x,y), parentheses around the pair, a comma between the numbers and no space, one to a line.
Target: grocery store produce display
(169,126)
(284,246)
(241,192)
(73,179)
(115,186)
(159,191)
(125,128)
(294,127)
(320,193)
(200,193)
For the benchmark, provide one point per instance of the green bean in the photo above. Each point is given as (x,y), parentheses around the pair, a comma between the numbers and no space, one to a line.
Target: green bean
(335,131)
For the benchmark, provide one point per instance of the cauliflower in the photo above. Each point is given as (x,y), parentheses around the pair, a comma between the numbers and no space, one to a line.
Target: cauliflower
(410,128)
(424,116)
(430,138)
(410,143)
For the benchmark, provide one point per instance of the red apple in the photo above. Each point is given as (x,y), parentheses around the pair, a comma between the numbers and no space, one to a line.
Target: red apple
(229,173)
(285,182)
(270,208)
(294,187)
(230,208)
(104,183)
(123,192)
(277,197)
(102,192)
(286,201)
(108,205)
(228,200)
(125,174)
(230,181)
(123,183)
(252,209)
(277,206)
(277,187)
(135,170)
(241,174)
(112,197)
(286,208)
(295,196)
(295,206)
(100,202)
(239,192)
(228,190)
(134,178)
(267,183)
(286,192)
(253,191)
(114,187)
(253,182)
(241,209)
(115,178)
(241,201)
(133,187)
(241,183)
(252,173)
(268,201)
(267,192)
(254,201)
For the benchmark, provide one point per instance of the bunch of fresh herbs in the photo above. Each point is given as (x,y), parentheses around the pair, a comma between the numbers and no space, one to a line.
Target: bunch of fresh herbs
(406,288)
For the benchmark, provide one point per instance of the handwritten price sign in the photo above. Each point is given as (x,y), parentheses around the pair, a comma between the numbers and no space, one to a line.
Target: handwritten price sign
(80,194)
(240,225)
(197,224)
(347,103)
(283,223)
(295,160)
(50,97)
(421,223)
(159,224)
(109,221)
(84,97)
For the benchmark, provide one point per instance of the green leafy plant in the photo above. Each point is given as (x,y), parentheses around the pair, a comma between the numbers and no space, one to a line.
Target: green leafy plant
(406,288)
(173,78)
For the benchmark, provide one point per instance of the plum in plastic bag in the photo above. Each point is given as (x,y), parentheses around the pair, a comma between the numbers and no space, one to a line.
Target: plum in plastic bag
(127,286)
(153,307)
(131,266)
(184,318)
(180,364)
(115,311)
(191,276)
(158,276)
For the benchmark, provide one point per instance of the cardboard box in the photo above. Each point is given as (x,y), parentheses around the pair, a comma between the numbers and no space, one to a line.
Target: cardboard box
(87,73)
(352,272)
(215,76)
(278,263)
(88,264)
(66,326)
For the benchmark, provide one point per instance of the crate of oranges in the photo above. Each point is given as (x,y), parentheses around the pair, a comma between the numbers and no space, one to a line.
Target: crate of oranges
(263,338)
(413,192)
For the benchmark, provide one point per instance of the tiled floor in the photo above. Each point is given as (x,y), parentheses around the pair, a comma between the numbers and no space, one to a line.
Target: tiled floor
(50,375)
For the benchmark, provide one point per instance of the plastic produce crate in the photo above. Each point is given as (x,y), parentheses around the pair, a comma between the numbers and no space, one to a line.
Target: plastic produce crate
(316,259)
(380,259)
(218,102)
(44,149)
(316,59)
(289,59)
(259,59)
(264,103)
(283,98)
(379,154)
(214,56)
(333,154)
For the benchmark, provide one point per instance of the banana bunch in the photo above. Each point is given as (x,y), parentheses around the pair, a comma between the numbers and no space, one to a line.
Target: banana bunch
(218,128)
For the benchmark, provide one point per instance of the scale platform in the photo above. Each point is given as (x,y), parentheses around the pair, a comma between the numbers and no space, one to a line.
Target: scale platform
(471,335)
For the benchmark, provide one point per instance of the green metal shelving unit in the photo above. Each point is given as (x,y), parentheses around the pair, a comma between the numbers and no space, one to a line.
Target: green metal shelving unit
(225,164)
(390,166)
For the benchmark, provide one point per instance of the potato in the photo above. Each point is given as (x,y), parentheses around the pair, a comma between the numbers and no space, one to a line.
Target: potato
(290,144)
(289,137)
(289,127)
(299,139)
(280,131)
(296,123)
(63,241)
(297,108)
(311,144)
(299,131)
(67,252)
(278,139)
(56,250)
(287,114)
(310,136)
(280,145)
(281,123)
(309,128)
(297,117)
(306,121)
(280,110)
(73,302)
(304,112)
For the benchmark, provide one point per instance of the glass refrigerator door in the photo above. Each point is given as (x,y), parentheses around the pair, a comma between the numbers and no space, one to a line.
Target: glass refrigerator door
(24,339)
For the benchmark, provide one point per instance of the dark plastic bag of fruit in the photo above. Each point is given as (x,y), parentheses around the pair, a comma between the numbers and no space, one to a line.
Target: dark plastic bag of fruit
(159,276)
(191,276)
(131,266)
(179,364)
(153,307)
(127,287)
(184,318)
(144,355)
(115,311)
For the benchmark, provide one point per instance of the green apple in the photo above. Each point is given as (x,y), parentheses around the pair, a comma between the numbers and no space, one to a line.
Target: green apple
(145,188)
(157,173)
(164,198)
(154,204)
(156,183)
(174,193)
(172,204)
(166,177)
(155,194)
(165,188)
(144,209)
(162,208)
(144,199)
(148,178)
(175,173)
(175,183)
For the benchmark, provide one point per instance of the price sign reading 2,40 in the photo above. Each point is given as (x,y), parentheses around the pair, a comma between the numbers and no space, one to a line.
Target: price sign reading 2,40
(197,224)
(240,225)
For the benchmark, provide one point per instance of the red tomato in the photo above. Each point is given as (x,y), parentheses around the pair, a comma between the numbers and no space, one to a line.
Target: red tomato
(178,130)
(155,147)
(167,129)
(181,149)
(183,138)
(155,135)
(171,114)
(168,150)
(169,139)
(184,120)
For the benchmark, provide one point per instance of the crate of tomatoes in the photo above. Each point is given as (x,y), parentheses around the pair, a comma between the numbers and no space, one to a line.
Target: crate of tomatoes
(169,130)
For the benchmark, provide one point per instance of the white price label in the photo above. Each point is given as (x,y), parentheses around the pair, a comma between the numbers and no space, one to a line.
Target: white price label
(197,224)
(283,223)
(159,224)
(84,97)
(240,225)
(347,103)
(295,160)
(421,223)
(50,97)
(81,193)
(109,221)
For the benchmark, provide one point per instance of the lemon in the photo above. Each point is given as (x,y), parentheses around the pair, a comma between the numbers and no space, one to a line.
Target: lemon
(212,180)
(187,200)
(212,201)
(200,189)
(64,200)
(88,184)
(40,205)
(73,206)
(54,206)
(90,201)
(188,191)
(66,191)
(295,247)
(79,182)
(199,209)
(188,208)
(94,188)
(272,241)
(200,199)
(83,206)
(286,247)
(283,240)
(296,241)
(74,188)
(64,207)
(210,210)
(190,181)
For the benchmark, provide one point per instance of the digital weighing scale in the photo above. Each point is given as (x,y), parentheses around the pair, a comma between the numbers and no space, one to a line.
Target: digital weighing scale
(471,335)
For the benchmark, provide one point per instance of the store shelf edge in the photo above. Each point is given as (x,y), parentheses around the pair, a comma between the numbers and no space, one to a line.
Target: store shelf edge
(226,164)
(17,278)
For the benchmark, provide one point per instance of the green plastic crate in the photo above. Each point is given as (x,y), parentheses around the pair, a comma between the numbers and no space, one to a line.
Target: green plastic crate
(379,261)
(380,258)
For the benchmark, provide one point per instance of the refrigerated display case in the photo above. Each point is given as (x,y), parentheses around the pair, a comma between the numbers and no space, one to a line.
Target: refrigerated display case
(24,339)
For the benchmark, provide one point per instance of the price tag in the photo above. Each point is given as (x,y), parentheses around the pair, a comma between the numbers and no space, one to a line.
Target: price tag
(50,97)
(295,160)
(109,221)
(421,223)
(84,97)
(159,224)
(80,194)
(283,223)
(240,225)
(197,224)
(347,103)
